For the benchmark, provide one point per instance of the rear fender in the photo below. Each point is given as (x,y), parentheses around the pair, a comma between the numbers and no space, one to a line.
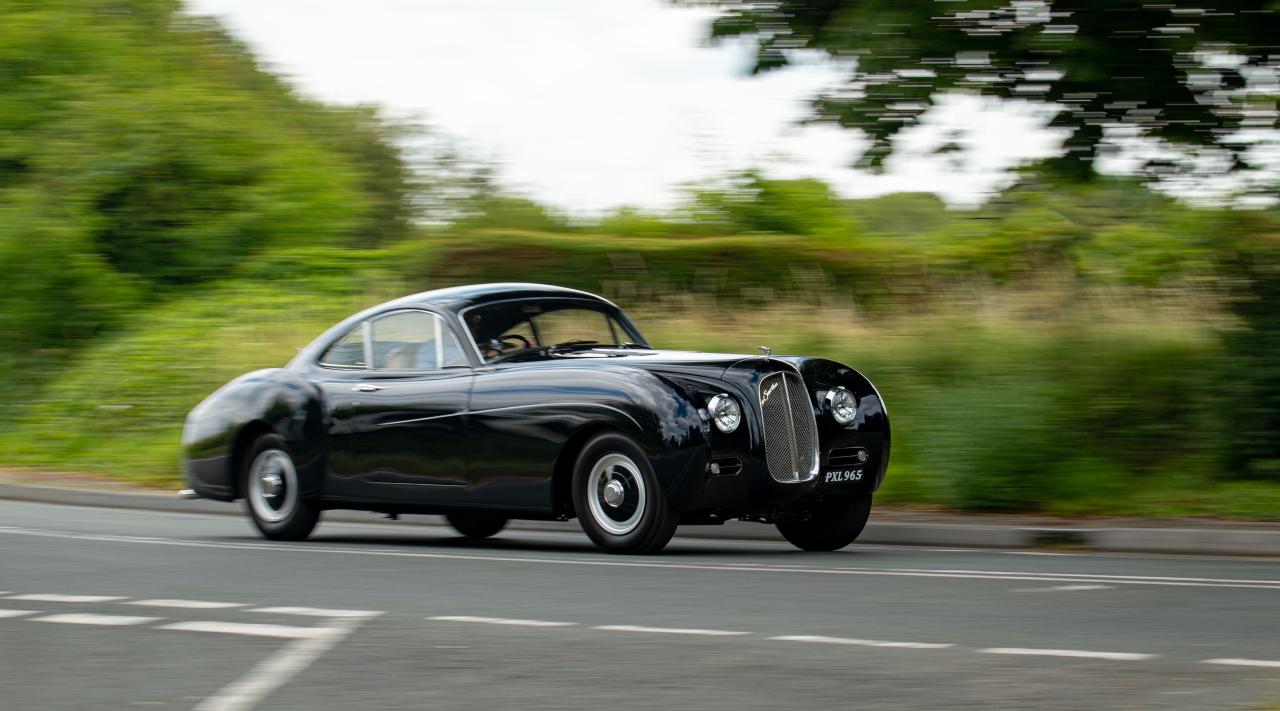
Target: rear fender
(272,400)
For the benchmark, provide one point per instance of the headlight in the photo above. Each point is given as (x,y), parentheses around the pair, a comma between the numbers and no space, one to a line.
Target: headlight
(843,404)
(725,412)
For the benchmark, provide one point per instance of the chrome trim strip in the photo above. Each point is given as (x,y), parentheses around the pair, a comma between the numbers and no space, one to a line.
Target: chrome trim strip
(791,425)
(412,483)
(510,407)
(366,335)
(439,342)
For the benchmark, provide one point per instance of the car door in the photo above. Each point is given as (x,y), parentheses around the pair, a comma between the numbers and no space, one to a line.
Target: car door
(408,411)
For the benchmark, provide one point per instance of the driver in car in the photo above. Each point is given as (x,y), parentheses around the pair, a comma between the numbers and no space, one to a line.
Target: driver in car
(494,347)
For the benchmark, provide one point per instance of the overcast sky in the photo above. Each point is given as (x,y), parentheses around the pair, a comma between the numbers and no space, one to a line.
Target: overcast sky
(588,104)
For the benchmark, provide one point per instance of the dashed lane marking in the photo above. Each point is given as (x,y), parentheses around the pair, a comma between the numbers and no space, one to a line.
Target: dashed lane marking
(17,613)
(250,629)
(670,630)
(501,621)
(1066,588)
(860,642)
(1244,663)
(187,604)
(85,618)
(1075,653)
(49,597)
(319,612)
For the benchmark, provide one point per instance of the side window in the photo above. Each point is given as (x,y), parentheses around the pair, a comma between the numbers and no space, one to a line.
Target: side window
(415,340)
(348,352)
(452,349)
(405,340)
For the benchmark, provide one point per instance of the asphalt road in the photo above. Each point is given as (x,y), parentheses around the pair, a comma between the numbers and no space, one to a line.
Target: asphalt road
(109,609)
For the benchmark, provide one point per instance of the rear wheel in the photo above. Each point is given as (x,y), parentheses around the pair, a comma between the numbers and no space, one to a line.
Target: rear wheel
(827,525)
(272,495)
(474,526)
(618,500)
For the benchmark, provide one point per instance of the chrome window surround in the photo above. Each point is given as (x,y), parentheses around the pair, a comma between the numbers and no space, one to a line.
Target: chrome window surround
(366,328)
(616,315)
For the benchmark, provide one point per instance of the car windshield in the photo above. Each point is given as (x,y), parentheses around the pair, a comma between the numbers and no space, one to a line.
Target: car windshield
(544,327)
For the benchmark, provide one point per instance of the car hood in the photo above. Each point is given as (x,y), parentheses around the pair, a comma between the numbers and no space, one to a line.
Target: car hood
(712,365)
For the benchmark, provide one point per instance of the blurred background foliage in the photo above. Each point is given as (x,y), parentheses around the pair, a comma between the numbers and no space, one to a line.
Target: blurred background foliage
(172,215)
(1179,73)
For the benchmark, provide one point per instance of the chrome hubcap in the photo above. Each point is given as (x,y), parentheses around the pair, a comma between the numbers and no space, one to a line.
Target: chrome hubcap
(616,493)
(613,493)
(273,486)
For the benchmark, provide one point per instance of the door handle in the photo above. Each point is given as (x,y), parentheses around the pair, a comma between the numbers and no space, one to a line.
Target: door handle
(365,388)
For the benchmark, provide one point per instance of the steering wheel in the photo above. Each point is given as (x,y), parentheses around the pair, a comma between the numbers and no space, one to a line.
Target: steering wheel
(491,352)
(516,337)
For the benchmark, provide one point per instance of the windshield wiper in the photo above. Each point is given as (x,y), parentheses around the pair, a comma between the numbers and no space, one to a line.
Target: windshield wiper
(517,353)
(573,345)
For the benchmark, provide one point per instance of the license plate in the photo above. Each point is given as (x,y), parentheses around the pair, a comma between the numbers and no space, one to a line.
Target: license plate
(842,475)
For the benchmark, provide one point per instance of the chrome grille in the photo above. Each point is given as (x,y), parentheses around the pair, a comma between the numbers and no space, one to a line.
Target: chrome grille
(790,433)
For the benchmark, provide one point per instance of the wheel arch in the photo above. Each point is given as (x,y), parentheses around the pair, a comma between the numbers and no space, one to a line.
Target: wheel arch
(562,473)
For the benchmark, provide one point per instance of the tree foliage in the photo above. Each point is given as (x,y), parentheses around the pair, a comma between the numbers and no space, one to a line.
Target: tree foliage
(1187,72)
(142,149)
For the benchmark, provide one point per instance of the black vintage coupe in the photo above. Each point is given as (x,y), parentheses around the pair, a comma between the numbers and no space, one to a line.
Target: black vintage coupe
(499,401)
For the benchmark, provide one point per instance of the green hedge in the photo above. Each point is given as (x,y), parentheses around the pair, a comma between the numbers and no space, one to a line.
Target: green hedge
(1051,399)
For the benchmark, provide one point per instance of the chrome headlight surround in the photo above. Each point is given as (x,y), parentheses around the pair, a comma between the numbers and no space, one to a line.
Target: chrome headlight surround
(842,404)
(725,412)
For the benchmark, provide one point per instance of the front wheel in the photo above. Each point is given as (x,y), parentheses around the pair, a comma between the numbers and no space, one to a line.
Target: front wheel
(828,525)
(618,500)
(273,498)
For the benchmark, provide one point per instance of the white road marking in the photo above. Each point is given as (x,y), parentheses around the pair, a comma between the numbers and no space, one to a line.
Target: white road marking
(4,614)
(187,604)
(670,630)
(275,671)
(45,597)
(1066,588)
(501,621)
(1076,653)
(92,619)
(1093,577)
(1262,584)
(1244,663)
(318,612)
(860,642)
(249,628)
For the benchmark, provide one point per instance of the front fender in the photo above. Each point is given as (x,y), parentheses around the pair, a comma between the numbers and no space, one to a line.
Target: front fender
(265,400)
(665,421)
(871,426)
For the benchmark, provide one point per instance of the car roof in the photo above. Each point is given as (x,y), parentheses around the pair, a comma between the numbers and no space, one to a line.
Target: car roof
(453,300)
(457,298)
